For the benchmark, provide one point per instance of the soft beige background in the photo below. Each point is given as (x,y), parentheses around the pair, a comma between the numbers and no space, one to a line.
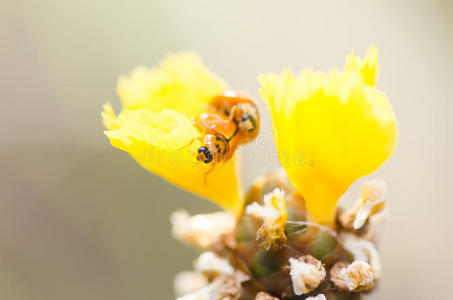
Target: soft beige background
(81,220)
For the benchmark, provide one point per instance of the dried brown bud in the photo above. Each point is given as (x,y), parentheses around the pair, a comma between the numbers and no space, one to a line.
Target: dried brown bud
(269,242)
(346,219)
(230,289)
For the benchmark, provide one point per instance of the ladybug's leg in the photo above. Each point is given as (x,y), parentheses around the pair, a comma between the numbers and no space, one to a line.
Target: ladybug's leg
(191,142)
(207,172)
(198,125)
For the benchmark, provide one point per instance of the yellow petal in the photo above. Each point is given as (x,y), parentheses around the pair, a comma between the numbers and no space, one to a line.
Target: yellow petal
(368,67)
(155,140)
(181,83)
(330,129)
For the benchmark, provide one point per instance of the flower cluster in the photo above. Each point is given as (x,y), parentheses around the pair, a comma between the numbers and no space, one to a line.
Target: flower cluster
(285,238)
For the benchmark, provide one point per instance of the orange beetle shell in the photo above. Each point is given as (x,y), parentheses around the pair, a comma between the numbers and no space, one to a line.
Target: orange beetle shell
(217,122)
(239,104)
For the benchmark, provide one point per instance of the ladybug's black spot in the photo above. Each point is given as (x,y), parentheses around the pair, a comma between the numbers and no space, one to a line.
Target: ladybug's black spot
(202,149)
(207,154)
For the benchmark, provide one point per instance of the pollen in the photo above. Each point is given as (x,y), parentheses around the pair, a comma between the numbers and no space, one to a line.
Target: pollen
(271,235)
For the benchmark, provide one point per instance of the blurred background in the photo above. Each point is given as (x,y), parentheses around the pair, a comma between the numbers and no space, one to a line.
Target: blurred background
(81,220)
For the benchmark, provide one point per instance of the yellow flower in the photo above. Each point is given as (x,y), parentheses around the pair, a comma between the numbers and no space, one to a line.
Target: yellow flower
(330,129)
(181,82)
(154,126)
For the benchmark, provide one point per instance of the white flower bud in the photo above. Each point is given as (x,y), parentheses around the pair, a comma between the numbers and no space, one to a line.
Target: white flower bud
(306,274)
(358,276)
(317,297)
(362,250)
(372,198)
(202,230)
(212,264)
(189,282)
